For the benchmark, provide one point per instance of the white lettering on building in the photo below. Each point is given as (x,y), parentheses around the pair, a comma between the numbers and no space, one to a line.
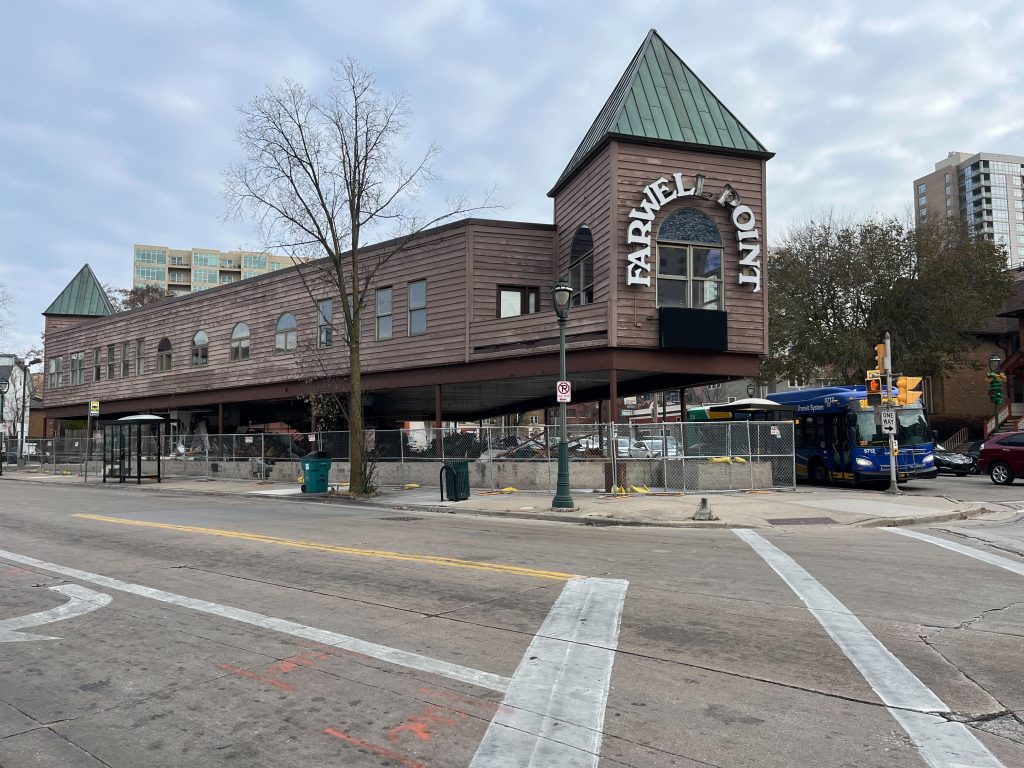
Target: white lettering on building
(659,193)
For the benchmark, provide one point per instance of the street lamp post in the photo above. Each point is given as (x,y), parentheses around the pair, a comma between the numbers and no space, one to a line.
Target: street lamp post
(993,366)
(561,293)
(4,386)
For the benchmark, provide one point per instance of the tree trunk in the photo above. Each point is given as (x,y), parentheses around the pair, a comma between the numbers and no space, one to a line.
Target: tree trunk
(356,432)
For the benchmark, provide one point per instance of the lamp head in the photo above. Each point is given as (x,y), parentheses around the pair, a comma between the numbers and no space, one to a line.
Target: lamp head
(993,363)
(4,386)
(751,389)
(561,294)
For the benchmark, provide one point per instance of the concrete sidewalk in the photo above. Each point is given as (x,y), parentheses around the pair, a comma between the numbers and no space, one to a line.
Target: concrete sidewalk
(752,509)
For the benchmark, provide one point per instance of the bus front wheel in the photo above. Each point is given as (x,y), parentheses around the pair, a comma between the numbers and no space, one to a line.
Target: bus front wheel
(819,475)
(1001,474)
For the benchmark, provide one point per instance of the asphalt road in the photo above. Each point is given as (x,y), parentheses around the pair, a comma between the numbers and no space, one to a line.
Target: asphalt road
(204,631)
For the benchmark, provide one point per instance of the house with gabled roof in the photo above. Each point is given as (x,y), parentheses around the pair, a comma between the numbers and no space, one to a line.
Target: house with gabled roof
(658,225)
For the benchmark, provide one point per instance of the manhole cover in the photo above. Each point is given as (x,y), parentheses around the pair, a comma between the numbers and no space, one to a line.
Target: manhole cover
(802,521)
(401,519)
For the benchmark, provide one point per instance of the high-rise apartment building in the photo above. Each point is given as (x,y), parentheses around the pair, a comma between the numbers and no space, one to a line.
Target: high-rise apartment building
(981,191)
(181,272)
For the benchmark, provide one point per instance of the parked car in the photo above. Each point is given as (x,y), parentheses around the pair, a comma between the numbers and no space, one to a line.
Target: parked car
(650,447)
(974,451)
(958,464)
(1002,457)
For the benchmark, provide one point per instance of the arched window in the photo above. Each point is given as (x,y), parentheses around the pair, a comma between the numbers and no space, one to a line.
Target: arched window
(200,348)
(689,261)
(581,266)
(163,355)
(286,337)
(240,342)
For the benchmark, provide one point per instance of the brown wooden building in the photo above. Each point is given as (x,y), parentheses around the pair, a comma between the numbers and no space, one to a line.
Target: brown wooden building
(658,223)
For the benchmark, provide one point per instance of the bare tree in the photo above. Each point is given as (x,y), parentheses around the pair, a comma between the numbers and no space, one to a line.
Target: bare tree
(321,174)
(6,305)
(127,299)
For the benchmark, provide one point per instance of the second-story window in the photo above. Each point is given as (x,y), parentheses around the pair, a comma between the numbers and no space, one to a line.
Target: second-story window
(383,313)
(200,348)
(581,267)
(77,368)
(513,301)
(140,357)
(417,307)
(111,363)
(54,372)
(240,342)
(163,355)
(286,335)
(97,364)
(126,358)
(325,313)
(689,261)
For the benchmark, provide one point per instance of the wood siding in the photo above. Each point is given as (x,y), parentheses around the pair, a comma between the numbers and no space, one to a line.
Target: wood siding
(639,165)
(587,199)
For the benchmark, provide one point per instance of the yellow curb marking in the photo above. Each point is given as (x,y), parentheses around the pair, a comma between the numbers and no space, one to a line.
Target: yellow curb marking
(379,553)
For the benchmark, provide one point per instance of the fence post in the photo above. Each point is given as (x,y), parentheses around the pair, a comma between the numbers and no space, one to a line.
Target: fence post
(750,456)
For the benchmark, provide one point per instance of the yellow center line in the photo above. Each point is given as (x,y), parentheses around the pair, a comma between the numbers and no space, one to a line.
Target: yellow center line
(452,562)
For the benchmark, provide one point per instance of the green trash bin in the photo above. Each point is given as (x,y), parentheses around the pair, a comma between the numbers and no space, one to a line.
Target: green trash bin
(455,480)
(316,468)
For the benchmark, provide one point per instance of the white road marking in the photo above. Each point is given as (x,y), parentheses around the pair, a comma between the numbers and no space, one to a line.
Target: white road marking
(366,648)
(942,743)
(977,554)
(553,713)
(80,601)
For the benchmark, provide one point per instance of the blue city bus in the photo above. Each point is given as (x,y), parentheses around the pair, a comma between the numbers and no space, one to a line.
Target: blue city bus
(836,437)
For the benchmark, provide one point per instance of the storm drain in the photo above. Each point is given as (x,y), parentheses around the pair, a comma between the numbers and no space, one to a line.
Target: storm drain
(401,519)
(802,521)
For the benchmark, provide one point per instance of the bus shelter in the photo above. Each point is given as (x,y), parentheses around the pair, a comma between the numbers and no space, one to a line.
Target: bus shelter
(131,448)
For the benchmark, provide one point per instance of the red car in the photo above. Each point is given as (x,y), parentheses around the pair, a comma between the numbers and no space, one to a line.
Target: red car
(1002,456)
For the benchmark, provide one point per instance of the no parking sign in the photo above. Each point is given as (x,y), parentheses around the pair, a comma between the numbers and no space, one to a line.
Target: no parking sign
(563,391)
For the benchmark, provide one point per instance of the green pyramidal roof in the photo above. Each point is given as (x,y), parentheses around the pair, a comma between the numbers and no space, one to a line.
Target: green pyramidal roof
(84,296)
(660,98)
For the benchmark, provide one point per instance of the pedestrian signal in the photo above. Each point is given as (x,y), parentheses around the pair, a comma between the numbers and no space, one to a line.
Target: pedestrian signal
(905,390)
(873,387)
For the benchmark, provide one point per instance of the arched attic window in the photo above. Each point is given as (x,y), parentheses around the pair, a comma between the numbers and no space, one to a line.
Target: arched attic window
(240,342)
(581,266)
(163,355)
(200,348)
(286,335)
(689,261)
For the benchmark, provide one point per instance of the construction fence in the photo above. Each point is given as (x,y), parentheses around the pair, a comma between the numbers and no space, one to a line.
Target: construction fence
(727,456)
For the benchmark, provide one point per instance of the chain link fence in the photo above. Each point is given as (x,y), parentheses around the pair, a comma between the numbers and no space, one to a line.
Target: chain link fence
(668,457)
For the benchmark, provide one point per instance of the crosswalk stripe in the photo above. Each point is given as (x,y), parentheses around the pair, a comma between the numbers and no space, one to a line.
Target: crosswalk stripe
(942,743)
(977,554)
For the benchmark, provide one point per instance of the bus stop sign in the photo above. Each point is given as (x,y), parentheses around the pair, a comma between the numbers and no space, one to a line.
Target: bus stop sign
(888,422)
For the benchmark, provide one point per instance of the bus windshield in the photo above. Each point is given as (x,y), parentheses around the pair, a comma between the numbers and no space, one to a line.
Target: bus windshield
(912,428)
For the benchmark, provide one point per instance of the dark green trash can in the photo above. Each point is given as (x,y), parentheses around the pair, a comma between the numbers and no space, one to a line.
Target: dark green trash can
(455,480)
(316,468)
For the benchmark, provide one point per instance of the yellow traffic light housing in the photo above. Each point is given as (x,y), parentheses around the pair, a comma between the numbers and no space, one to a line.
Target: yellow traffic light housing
(906,390)
(880,357)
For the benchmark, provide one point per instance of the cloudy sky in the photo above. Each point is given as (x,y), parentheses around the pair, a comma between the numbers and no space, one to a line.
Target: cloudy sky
(117,117)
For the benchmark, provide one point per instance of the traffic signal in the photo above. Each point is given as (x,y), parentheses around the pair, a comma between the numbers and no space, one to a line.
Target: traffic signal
(995,387)
(906,390)
(873,387)
(880,358)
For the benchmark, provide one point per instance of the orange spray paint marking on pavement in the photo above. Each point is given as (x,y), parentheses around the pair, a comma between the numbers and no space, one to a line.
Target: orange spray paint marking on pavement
(420,723)
(253,676)
(375,748)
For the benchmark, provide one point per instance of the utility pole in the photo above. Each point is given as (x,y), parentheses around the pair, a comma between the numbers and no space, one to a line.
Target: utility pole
(893,486)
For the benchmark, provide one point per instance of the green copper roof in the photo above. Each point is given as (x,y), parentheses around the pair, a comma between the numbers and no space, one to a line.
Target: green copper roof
(659,97)
(84,296)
